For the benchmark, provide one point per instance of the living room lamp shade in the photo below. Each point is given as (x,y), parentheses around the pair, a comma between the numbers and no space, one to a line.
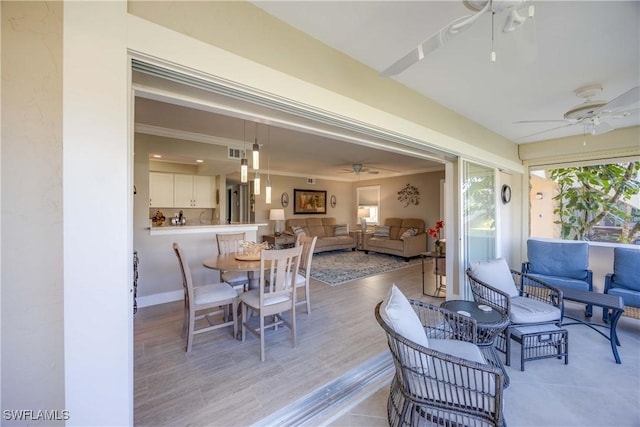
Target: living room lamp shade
(363,213)
(277,215)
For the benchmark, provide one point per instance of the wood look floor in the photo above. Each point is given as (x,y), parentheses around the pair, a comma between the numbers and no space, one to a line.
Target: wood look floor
(222,381)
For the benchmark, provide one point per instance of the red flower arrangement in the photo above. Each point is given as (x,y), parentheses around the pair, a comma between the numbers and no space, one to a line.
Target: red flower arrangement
(435,232)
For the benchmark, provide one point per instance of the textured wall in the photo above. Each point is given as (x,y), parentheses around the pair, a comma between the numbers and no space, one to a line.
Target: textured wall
(32,284)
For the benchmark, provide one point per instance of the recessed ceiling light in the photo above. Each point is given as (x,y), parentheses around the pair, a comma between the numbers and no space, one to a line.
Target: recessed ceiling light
(157,156)
(199,161)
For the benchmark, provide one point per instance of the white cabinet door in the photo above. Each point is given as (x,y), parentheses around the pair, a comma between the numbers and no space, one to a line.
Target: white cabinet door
(160,190)
(183,191)
(203,191)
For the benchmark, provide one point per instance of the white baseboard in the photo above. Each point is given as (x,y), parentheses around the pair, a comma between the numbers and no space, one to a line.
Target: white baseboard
(162,298)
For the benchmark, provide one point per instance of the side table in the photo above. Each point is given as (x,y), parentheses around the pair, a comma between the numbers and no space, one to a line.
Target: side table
(490,325)
(360,238)
(282,241)
(439,272)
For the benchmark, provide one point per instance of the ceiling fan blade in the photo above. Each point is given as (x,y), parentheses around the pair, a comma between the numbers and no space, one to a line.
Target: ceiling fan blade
(543,121)
(547,130)
(602,127)
(627,99)
(434,42)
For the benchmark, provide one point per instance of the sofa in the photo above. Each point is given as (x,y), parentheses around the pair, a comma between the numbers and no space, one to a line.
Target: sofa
(325,229)
(624,281)
(560,263)
(406,246)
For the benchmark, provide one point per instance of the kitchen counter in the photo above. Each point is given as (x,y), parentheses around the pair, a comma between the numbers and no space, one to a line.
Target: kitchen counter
(166,230)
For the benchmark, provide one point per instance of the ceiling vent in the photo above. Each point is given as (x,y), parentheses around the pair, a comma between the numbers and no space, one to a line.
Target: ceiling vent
(236,153)
(311,180)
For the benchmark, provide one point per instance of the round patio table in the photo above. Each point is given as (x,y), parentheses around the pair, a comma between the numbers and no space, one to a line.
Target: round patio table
(490,324)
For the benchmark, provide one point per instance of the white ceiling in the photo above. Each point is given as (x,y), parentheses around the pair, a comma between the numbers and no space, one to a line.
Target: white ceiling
(575,43)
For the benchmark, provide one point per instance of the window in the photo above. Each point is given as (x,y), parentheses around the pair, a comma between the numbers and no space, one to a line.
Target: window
(598,202)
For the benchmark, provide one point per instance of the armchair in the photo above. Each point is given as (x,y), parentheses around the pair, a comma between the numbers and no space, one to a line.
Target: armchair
(625,279)
(441,377)
(560,263)
(524,299)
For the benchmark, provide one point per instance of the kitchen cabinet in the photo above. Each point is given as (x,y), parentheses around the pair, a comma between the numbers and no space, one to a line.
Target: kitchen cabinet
(193,191)
(160,190)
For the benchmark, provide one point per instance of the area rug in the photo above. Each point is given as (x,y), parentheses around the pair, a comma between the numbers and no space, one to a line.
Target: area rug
(338,267)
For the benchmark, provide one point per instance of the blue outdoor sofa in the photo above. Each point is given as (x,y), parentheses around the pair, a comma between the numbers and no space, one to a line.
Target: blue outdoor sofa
(625,279)
(560,263)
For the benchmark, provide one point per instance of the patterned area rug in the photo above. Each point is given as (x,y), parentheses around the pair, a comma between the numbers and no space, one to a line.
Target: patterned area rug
(338,267)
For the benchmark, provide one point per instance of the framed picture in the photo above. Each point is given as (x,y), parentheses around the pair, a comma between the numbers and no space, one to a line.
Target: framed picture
(309,202)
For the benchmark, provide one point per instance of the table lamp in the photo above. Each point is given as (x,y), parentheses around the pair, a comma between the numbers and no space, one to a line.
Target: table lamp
(363,214)
(277,215)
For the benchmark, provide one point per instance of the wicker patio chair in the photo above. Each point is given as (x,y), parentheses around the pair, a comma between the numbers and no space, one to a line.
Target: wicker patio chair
(432,386)
(524,299)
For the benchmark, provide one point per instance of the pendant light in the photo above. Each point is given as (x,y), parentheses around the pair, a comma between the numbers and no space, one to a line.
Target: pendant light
(256,184)
(243,161)
(267,189)
(256,153)
(243,170)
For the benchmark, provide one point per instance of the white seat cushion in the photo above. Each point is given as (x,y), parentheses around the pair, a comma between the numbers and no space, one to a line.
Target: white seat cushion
(234,277)
(529,310)
(212,293)
(252,298)
(461,349)
(495,273)
(397,312)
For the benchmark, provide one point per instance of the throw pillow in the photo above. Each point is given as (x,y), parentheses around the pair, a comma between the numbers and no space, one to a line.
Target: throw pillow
(409,233)
(341,230)
(397,312)
(495,273)
(381,231)
(298,231)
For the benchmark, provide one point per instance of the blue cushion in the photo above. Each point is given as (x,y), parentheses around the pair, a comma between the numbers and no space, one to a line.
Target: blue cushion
(630,298)
(552,258)
(626,268)
(563,282)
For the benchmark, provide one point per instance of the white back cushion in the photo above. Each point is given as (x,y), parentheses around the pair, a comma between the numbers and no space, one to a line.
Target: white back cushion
(496,273)
(397,312)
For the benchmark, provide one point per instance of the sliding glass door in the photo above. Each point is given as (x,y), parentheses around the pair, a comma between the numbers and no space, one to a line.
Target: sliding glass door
(479,212)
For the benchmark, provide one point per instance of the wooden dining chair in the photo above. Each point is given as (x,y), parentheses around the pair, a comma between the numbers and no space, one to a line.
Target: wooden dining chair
(205,302)
(275,295)
(303,277)
(230,243)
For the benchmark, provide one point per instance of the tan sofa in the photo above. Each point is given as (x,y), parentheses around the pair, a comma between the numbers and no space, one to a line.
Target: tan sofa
(324,229)
(407,248)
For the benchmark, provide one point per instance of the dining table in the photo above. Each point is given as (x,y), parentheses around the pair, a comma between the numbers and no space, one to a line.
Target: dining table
(236,262)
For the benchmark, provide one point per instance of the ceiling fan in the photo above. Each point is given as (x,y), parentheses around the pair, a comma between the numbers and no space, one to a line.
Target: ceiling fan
(515,18)
(593,114)
(358,168)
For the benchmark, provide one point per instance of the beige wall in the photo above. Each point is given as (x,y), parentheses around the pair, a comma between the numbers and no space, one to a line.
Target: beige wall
(32,270)
(541,210)
(428,208)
